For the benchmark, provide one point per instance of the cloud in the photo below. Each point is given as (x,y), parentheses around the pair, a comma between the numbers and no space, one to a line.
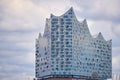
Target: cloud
(116,29)
(98,26)
(22,20)
(21,15)
(99,10)
(14,66)
(18,76)
(116,60)
(17,54)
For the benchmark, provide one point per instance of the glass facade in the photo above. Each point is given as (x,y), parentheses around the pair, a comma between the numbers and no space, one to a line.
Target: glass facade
(68,49)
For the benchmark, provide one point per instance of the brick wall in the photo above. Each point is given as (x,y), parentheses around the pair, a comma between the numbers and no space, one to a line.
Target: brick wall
(64,79)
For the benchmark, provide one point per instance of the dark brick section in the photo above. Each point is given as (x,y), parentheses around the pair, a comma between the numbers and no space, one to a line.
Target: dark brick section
(68,79)
(63,79)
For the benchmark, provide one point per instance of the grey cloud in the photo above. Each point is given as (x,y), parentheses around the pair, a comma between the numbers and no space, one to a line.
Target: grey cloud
(116,29)
(17,15)
(13,66)
(17,50)
(109,30)
(99,9)
(116,60)
(17,57)
(22,20)
(15,76)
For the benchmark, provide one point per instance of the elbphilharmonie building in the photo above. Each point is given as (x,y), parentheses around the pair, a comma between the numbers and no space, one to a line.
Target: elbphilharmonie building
(68,50)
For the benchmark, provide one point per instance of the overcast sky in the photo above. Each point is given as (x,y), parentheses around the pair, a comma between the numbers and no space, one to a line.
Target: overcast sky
(22,20)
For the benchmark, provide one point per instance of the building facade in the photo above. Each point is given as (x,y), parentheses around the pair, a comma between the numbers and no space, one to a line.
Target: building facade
(67,49)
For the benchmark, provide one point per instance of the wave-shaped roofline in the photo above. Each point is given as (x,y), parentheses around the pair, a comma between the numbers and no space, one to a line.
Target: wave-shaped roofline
(99,35)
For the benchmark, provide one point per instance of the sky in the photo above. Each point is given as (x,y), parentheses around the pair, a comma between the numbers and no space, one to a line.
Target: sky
(22,20)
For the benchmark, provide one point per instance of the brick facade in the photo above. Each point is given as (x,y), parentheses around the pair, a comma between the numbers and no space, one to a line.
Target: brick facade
(64,79)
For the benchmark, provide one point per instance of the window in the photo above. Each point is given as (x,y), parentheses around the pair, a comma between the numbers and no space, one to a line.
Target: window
(45,53)
(62,21)
(66,33)
(55,19)
(68,23)
(67,26)
(67,42)
(68,19)
(37,51)
(65,16)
